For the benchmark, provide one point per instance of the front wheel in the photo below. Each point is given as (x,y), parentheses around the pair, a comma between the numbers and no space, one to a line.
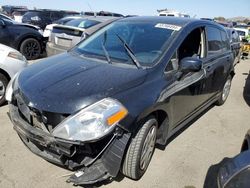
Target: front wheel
(140,150)
(225,92)
(31,48)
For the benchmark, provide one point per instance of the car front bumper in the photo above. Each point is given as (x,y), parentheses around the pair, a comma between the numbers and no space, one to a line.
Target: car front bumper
(74,155)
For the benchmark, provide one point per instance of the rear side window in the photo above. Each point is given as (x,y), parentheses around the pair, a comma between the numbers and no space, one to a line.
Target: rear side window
(82,23)
(217,41)
(225,41)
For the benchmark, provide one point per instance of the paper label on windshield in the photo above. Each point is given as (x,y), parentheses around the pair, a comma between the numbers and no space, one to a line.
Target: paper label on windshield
(168,26)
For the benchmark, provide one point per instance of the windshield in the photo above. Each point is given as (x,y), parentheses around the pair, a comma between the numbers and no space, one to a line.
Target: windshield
(82,23)
(146,41)
(241,33)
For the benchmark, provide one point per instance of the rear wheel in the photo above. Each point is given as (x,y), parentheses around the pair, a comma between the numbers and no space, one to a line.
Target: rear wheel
(31,48)
(225,92)
(3,86)
(140,150)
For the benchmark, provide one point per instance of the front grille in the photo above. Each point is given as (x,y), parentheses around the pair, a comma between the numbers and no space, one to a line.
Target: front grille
(44,120)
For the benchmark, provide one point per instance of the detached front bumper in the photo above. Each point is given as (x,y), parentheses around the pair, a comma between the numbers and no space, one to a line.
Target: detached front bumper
(94,161)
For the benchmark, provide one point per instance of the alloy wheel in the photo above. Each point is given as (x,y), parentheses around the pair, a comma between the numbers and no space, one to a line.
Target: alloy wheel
(226,89)
(148,148)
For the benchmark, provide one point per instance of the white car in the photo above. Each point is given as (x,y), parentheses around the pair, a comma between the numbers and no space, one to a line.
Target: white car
(11,62)
(62,21)
(243,33)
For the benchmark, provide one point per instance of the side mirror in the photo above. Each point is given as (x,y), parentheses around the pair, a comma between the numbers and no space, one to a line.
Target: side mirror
(2,24)
(190,64)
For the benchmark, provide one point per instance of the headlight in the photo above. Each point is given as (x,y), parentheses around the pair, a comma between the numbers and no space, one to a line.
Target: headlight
(11,87)
(92,122)
(17,55)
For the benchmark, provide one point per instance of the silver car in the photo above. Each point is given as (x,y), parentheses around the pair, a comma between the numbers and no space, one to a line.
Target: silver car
(11,62)
(64,37)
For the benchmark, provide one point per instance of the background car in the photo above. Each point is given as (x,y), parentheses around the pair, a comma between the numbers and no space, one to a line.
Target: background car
(64,37)
(11,61)
(5,17)
(62,21)
(44,17)
(27,39)
(10,9)
(236,171)
(243,33)
(102,13)
(235,44)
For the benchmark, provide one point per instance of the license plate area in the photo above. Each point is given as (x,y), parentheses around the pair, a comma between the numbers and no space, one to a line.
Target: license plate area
(64,42)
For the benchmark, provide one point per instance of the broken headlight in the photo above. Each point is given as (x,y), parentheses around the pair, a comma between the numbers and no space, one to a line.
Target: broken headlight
(93,122)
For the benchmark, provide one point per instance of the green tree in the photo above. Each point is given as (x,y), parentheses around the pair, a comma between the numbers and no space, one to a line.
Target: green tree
(220,18)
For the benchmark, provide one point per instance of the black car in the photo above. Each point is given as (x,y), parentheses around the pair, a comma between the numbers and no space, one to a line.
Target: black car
(236,171)
(102,13)
(28,39)
(10,9)
(44,17)
(235,44)
(101,107)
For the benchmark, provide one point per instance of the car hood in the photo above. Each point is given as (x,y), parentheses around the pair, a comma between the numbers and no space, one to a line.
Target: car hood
(27,25)
(67,83)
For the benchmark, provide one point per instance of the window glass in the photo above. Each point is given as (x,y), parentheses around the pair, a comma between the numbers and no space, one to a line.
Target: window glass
(215,43)
(172,64)
(241,180)
(139,36)
(242,33)
(82,23)
(225,41)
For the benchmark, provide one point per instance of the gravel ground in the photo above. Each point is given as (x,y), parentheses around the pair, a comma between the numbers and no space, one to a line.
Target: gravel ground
(189,161)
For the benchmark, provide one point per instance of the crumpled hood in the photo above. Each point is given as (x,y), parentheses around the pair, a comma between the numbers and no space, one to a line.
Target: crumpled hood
(67,83)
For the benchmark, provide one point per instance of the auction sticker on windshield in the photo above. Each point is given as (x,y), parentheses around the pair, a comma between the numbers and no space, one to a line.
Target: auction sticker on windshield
(168,26)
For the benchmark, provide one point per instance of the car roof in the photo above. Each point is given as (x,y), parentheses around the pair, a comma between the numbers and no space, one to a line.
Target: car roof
(180,21)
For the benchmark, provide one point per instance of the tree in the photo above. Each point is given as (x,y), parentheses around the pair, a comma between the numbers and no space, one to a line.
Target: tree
(220,18)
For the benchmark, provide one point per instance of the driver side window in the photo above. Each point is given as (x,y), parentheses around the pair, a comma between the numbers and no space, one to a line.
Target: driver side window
(192,46)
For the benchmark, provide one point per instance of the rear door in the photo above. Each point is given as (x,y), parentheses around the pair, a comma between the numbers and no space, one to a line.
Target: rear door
(218,60)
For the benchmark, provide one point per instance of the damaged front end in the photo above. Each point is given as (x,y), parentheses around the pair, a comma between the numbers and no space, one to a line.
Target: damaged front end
(94,159)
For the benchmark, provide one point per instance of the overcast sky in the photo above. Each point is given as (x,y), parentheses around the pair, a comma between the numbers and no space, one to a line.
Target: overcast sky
(200,8)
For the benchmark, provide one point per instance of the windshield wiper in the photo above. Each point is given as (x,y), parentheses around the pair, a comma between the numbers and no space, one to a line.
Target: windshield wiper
(129,52)
(104,48)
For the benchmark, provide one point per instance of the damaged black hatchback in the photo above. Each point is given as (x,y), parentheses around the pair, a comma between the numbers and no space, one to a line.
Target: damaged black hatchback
(101,107)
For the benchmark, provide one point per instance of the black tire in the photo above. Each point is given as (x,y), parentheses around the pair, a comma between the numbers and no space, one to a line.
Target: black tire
(31,48)
(132,163)
(222,99)
(3,85)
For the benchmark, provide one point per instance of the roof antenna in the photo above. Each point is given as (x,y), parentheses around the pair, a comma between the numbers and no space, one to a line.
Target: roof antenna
(91,9)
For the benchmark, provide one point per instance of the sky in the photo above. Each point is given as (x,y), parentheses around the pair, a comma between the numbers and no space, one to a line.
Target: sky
(198,8)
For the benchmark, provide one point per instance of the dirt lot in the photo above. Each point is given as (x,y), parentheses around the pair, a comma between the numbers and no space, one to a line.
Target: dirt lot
(183,164)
